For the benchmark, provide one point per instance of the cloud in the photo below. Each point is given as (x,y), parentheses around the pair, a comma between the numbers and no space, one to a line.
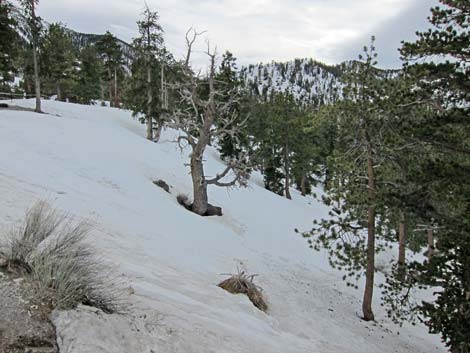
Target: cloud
(257,30)
(390,33)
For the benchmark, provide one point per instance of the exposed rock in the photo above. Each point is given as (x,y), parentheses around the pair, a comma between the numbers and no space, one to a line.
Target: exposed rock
(161,183)
(89,330)
(24,327)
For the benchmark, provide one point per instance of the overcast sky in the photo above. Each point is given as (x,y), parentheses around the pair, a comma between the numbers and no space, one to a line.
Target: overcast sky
(330,31)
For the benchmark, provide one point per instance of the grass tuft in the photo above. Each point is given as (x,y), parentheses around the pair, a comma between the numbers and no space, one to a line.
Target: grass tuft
(49,248)
(242,283)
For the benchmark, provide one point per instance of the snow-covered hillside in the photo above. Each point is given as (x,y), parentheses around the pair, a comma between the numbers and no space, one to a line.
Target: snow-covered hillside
(309,81)
(94,162)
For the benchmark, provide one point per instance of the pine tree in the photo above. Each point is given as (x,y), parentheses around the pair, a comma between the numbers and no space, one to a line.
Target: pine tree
(443,171)
(8,45)
(147,84)
(33,32)
(57,58)
(112,56)
(359,167)
(263,151)
(280,144)
(231,85)
(88,87)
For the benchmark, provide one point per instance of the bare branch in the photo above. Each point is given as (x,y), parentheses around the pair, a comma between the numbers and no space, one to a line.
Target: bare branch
(190,40)
(220,176)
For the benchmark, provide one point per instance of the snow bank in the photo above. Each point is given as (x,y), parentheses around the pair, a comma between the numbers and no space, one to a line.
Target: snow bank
(94,162)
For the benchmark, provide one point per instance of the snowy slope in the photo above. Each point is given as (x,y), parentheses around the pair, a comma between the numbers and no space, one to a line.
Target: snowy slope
(94,162)
(310,82)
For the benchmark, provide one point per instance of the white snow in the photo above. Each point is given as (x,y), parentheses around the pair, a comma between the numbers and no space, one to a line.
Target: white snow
(308,81)
(94,162)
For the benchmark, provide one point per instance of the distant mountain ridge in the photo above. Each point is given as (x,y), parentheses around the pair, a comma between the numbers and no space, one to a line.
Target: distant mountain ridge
(81,40)
(311,82)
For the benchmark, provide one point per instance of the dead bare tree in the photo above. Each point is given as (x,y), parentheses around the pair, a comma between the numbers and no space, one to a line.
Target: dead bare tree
(198,116)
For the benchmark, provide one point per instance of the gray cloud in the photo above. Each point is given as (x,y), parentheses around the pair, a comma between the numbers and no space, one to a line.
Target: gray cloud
(390,34)
(258,30)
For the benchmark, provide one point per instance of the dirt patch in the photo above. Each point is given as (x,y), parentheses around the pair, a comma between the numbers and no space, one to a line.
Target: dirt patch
(24,324)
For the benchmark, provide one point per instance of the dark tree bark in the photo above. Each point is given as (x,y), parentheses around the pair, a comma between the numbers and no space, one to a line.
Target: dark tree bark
(326,183)
(116,96)
(431,248)
(110,86)
(286,168)
(149,103)
(402,247)
(303,184)
(368,314)
(59,92)
(158,132)
(200,201)
(37,83)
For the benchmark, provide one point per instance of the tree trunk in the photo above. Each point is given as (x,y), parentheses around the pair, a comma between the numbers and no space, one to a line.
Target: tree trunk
(286,168)
(37,84)
(110,84)
(431,248)
(158,132)
(149,104)
(326,183)
(303,186)
(59,92)
(162,87)
(116,97)
(200,199)
(401,247)
(101,91)
(149,128)
(367,312)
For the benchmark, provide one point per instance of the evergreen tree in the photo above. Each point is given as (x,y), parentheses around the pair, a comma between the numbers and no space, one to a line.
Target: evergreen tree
(147,89)
(33,32)
(280,147)
(306,159)
(359,168)
(112,56)
(227,76)
(8,45)
(443,173)
(57,58)
(88,87)
(263,150)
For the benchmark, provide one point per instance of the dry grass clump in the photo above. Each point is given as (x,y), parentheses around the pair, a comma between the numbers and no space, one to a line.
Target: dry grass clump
(242,283)
(49,248)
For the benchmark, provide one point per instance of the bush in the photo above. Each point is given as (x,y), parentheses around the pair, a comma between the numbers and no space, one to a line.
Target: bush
(49,248)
